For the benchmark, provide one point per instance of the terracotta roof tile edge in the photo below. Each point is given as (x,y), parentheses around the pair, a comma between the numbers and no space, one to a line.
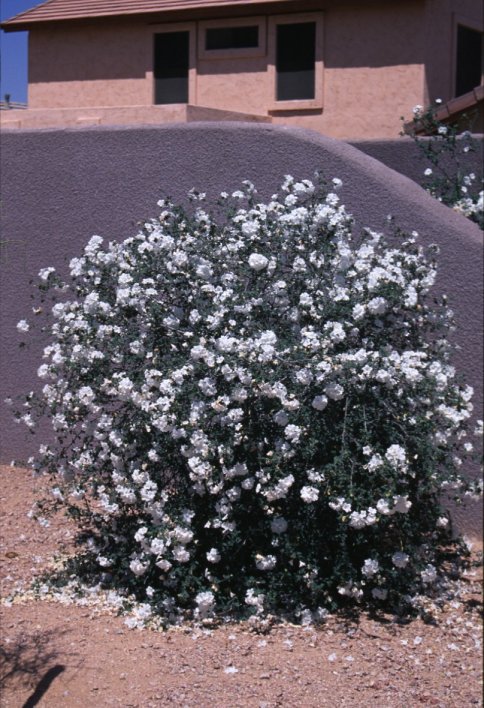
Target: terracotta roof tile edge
(59,10)
(451,108)
(460,103)
(20,15)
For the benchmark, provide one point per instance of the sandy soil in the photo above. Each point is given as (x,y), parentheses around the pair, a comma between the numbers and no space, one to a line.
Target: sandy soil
(56,655)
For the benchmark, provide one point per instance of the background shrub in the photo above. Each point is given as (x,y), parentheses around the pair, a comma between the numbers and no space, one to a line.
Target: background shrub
(444,147)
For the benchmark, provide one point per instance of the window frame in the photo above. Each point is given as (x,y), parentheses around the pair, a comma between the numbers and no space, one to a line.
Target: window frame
(476,26)
(189,27)
(296,104)
(236,53)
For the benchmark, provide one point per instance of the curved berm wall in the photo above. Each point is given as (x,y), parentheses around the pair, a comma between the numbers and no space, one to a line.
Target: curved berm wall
(60,187)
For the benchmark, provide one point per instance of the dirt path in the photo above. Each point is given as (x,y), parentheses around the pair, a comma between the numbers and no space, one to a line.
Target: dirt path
(58,655)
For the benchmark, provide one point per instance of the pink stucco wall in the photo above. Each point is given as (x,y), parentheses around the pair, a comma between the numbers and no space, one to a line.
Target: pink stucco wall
(441,20)
(85,66)
(373,70)
(378,61)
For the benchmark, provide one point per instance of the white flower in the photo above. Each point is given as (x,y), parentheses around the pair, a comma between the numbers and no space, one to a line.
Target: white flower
(319,403)
(334,391)
(204,270)
(309,494)
(281,418)
(281,489)
(257,261)
(208,386)
(226,344)
(314,476)
(265,562)
(293,433)
(299,265)
(370,567)
(44,273)
(358,311)
(140,534)
(205,602)
(125,386)
(396,456)
(94,243)
(306,619)
(148,491)
(128,495)
(255,599)
(303,188)
(278,525)
(213,556)
(336,331)
(23,326)
(180,554)
(163,565)
(358,519)
(304,376)
(400,559)
(428,171)
(374,462)
(86,395)
(104,562)
(305,300)
(182,535)
(377,306)
(137,567)
(401,504)
(429,574)
(157,546)
(337,504)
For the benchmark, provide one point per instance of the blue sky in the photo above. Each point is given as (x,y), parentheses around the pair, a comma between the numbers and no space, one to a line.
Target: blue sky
(13,52)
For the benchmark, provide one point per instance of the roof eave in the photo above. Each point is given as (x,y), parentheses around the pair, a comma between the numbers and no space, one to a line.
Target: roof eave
(25,21)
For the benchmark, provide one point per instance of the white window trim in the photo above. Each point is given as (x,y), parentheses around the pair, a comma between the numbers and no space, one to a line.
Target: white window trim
(189,27)
(241,53)
(299,104)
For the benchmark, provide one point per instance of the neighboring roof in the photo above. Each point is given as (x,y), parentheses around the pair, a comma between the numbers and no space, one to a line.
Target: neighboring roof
(461,103)
(468,104)
(55,10)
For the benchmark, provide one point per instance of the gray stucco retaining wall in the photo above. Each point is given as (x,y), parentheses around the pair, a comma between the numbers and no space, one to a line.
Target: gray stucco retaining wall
(405,157)
(60,187)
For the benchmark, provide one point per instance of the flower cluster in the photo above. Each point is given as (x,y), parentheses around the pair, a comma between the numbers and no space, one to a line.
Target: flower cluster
(254,414)
(445,148)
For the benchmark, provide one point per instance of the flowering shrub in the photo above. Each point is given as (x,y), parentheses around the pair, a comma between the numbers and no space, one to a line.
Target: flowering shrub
(444,146)
(253,415)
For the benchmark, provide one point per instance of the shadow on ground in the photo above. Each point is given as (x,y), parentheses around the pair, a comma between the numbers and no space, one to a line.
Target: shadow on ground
(29,662)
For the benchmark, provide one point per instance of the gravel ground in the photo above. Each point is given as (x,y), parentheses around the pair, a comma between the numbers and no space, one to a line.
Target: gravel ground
(55,655)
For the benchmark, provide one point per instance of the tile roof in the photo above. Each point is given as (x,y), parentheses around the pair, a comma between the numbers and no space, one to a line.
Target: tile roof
(54,10)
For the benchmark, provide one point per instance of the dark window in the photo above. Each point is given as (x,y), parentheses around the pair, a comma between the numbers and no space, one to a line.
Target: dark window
(171,67)
(232,37)
(295,61)
(469,60)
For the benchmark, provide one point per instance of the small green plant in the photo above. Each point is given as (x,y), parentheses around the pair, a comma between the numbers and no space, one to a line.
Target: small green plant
(444,147)
(253,414)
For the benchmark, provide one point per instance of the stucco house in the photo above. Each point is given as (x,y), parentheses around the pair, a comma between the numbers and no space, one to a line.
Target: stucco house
(346,68)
